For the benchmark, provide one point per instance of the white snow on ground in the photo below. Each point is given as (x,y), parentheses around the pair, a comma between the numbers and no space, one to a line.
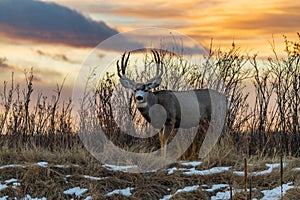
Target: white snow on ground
(11,180)
(15,185)
(65,166)
(62,166)
(214,170)
(2,187)
(186,164)
(276,192)
(191,163)
(14,182)
(119,168)
(272,194)
(216,187)
(77,191)
(260,173)
(93,177)
(28,197)
(186,189)
(11,166)
(226,195)
(42,164)
(173,169)
(125,192)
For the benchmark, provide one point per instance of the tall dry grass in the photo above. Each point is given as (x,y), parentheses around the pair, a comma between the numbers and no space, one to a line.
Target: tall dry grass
(26,121)
(264,129)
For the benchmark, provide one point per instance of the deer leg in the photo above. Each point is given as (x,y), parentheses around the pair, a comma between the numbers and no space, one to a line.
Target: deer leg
(162,143)
(164,136)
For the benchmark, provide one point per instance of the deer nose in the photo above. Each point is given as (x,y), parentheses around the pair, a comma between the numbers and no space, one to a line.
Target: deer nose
(139,98)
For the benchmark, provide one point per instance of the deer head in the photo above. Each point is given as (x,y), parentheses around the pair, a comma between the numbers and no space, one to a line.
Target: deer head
(141,90)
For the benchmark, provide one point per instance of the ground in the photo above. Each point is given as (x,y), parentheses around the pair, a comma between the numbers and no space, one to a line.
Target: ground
(48,175)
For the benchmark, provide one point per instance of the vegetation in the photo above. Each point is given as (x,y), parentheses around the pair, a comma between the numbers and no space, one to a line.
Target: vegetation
(269,127)
(268,130)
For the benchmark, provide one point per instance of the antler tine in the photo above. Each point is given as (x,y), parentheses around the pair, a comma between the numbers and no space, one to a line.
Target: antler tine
(159,66)
(124,62)
(119,70)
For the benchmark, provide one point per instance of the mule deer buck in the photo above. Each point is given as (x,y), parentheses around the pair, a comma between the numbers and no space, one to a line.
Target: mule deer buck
(165,109)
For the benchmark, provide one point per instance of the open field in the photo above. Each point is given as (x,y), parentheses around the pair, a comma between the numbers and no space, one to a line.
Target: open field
(42,155)
(74,174)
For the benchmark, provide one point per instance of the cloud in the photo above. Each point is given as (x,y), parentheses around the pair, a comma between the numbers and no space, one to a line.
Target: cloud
(4,66)
(2,63)
(51,23)
(39,73)
(268,23)
(59,57)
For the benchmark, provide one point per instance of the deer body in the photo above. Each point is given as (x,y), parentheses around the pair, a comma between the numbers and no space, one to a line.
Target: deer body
(165,109)
(195,109)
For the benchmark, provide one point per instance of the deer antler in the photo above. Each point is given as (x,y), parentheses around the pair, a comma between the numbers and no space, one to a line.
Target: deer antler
(159,64)
(126,82)
(124,62)
(155,82)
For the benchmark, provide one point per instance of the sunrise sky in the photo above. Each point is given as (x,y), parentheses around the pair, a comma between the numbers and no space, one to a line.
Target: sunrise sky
(56,36)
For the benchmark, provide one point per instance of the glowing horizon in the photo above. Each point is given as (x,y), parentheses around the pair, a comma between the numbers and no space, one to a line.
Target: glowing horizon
(56,48)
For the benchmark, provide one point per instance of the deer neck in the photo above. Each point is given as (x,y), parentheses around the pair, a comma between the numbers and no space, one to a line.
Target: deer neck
(144,109)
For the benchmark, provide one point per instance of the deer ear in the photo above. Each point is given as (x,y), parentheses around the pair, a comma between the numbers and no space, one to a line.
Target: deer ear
(153,83)
(127,83)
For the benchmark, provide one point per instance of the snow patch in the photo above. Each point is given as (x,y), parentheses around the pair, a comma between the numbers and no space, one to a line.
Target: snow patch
(11,180)
(2,187)
(216,187)
(296,169)
(93,177)
(42,164)
(65,166)
(191,163)
(14,182)
(11,166)
(125,192)
(260,173)
(276,192)
(28,197)
(62,166)
(226,195)
(173,169)
(214,170)
(77,191)
(186,189)
(119,168)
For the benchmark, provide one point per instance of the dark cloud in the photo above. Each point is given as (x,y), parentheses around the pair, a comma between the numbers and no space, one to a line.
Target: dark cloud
(2,62)
(59,57)
(4,66)
(40,74)
(49,22)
